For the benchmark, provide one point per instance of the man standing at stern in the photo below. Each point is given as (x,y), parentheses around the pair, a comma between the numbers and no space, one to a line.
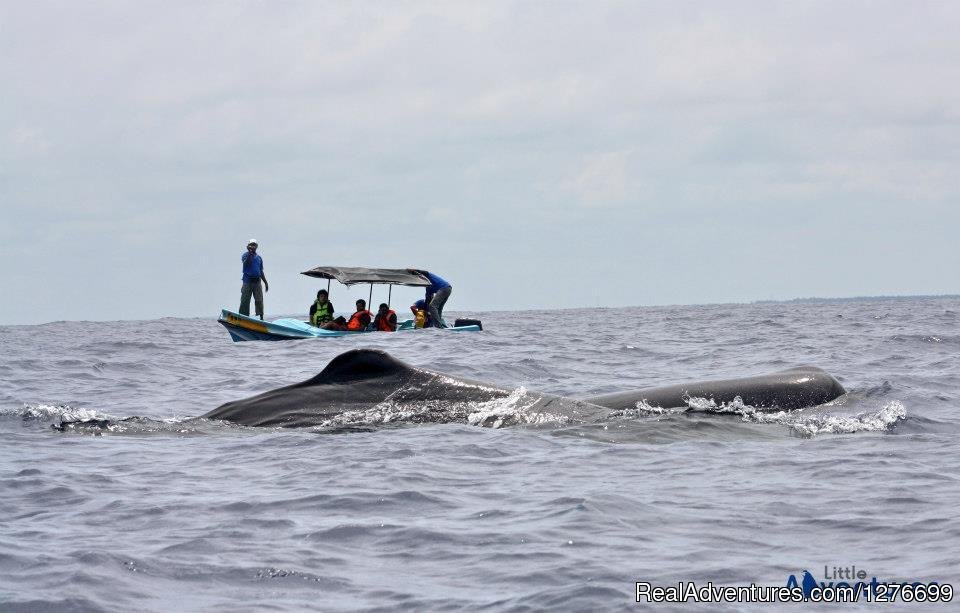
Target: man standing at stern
(252,274)
(436,295)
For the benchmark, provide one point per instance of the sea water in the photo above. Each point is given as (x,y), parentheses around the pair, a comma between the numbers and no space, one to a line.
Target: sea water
(497,511)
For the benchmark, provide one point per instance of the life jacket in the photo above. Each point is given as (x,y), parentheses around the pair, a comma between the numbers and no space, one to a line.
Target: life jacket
(355,323)
(322,315)
(383,323)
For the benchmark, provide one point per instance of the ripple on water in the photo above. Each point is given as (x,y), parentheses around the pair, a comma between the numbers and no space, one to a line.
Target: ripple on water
(450,516)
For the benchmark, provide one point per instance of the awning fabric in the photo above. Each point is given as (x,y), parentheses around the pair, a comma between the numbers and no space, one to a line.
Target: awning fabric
(354,275)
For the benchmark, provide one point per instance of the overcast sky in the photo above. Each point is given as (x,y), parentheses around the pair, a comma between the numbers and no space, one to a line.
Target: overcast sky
(535,154)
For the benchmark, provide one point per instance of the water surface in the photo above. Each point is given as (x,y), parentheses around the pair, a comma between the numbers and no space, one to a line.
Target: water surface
(168,512)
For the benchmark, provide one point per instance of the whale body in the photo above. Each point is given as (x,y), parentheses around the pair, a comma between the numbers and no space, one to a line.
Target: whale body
(794,388)
(362,379)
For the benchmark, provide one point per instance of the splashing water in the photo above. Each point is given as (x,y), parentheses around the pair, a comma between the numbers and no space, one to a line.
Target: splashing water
(803,423)
(512,410)
(387,517)
(46,412)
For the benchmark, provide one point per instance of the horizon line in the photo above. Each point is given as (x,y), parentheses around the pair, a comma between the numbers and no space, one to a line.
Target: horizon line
(576,308)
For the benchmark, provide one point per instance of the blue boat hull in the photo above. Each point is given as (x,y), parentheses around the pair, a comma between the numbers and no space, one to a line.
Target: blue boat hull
(244,328)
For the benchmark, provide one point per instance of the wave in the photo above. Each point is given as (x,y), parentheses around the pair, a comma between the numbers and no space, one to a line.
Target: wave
(51,412)
(519,408)
(945,339)
(511,410)
(800,421)
(66,418)
(880,421)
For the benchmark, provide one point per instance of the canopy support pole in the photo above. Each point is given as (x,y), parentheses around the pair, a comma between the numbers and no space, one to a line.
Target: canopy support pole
(389,293)
(328,287)
(370,299)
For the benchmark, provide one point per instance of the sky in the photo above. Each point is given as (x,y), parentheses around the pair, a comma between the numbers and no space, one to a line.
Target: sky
(535,154)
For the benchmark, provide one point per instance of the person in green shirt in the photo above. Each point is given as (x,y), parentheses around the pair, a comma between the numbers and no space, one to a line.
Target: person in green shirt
(321,311)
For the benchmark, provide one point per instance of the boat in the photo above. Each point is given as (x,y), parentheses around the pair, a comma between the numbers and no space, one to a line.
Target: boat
(245,328)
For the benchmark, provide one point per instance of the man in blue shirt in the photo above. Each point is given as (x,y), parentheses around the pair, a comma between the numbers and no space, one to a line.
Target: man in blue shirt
(252,274)
(437,294)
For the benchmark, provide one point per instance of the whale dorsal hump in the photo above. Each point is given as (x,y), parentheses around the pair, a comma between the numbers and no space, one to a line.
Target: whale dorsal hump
(360,364)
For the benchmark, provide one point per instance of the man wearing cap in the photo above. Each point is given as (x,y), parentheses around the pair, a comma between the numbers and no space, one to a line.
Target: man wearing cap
(252,274)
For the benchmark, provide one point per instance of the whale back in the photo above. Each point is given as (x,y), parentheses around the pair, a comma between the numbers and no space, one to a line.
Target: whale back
(363,379)
(353,381)
(359,365)
(795,388)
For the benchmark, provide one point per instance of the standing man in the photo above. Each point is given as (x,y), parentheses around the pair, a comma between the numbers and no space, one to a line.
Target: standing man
(437,294)
(252,274)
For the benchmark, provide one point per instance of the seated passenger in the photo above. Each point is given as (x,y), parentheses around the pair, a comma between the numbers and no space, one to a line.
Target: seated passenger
(321,311)
(421,314)
(340,323)
(361,319)
(358,321)
(386,320)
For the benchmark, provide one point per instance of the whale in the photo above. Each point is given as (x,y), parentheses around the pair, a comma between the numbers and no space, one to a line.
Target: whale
(363,379)
(785,390)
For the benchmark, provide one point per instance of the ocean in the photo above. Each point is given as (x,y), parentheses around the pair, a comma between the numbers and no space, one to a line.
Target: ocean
(166,512)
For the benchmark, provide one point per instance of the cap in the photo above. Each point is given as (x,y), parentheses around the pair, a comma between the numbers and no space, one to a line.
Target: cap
(253,241)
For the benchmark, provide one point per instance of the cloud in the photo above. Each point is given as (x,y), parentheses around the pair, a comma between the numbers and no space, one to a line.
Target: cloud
(603,180)
(28,142)
(498,141)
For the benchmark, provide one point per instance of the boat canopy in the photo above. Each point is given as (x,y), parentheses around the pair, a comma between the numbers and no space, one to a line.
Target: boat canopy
(354,275)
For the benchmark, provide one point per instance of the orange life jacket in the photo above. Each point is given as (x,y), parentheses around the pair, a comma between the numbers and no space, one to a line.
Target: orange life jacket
(383,323)
(355,323)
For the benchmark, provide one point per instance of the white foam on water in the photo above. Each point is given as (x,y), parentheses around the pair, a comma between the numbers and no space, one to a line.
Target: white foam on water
(805,424)
(509,411)
(880,421)
(81,419)
(512,409)
(384,413)
(644,409)
(48,412)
